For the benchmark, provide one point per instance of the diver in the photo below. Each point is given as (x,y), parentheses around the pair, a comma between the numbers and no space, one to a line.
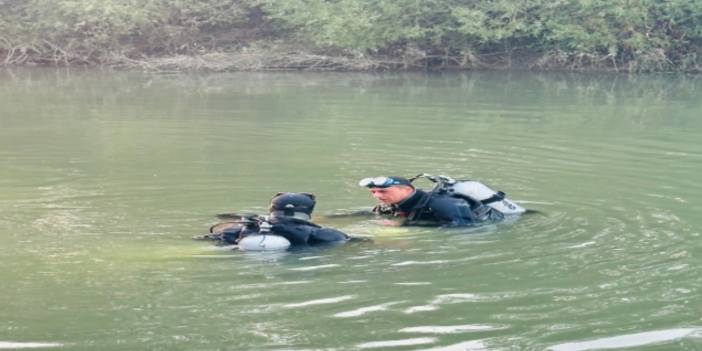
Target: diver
(289,217)
(442,206)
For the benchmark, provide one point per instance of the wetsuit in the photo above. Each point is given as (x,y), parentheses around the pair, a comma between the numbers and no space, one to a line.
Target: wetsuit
(441,208)
(297,231)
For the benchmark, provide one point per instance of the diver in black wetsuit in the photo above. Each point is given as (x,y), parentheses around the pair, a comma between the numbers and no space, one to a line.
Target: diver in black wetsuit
(289,217)
(400,199)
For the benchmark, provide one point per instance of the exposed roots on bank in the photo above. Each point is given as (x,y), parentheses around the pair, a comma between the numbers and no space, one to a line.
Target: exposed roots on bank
(262,61)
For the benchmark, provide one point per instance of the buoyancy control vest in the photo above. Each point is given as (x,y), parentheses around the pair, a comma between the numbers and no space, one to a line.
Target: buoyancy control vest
(474,191)
(261,233)
(438,207)
(288,223)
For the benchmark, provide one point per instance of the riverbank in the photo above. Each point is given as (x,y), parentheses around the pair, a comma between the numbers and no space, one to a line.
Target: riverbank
(353,35)
(264,60)
(291,59)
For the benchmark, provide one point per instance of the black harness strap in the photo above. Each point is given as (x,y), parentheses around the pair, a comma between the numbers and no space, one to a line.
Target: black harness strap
(499,196)
(417,210)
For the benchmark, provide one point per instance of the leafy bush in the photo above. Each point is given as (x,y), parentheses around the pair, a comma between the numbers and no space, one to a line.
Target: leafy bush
(634,35)
(95,30)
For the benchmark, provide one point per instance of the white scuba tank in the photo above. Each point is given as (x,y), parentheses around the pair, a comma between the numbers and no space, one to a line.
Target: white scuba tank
(263,242)
(480,191)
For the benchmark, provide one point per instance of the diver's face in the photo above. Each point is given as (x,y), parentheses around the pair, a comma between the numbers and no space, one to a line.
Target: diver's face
(391,195)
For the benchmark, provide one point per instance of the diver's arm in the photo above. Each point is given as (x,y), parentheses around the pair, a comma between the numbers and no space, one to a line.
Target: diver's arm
(358,213)
(326,235)
(237,216)
(225,232)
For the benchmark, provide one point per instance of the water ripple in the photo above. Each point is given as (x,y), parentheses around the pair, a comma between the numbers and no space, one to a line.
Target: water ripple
(445,300)
(11,345)
(629,340)
(325,301)
(450,329)
(472,345)
(365,310)
(396,343)
(314,268)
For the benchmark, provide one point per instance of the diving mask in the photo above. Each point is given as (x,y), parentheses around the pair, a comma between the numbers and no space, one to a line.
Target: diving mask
(383,182)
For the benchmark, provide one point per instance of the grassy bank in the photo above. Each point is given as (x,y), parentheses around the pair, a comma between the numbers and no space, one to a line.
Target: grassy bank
(359,35)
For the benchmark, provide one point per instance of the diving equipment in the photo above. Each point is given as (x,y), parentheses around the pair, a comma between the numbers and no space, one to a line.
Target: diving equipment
(383,182)
(287,224)
(474,190)
(263,242)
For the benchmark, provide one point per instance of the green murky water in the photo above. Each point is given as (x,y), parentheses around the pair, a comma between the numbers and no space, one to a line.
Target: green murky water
(105,176)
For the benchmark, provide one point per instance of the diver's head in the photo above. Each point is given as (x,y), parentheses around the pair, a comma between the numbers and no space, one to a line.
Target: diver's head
(388,190)
(296,205)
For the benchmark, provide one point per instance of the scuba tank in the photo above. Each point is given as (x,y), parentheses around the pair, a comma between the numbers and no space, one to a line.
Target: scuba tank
(249,233)
(475,190)
(264,240)
(492,198)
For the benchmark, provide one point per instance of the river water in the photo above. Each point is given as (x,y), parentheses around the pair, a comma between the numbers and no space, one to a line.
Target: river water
(105,177)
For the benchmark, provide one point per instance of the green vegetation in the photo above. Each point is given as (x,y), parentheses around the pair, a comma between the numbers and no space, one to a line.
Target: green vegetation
(630,35)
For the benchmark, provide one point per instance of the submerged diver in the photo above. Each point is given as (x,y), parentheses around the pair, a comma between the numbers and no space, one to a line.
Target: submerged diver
(289,216)
(441,206)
